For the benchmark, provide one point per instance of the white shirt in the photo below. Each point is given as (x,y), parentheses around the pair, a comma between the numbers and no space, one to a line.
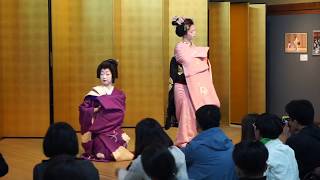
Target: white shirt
(282,163)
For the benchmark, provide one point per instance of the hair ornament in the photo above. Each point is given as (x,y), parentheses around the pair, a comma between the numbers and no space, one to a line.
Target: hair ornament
(179,20)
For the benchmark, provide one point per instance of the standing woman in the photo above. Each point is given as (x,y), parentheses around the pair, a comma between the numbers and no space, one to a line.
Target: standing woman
(199,89)
(101,116)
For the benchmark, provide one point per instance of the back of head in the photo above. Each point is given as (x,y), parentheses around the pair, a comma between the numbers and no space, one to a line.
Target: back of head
(250,158)
(60,138)
(149,131)
(247,130)
(269,126)
(158,162)
(182,25)
(64,167)
(208,116)
(110,64)
(300,110)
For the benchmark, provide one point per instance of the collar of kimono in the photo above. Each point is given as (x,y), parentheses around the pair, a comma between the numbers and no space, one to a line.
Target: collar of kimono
(99,91)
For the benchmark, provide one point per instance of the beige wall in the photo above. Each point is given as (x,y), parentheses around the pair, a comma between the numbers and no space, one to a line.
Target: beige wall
(219,54)
(237,39)
(141,59)
(257,59)
(24,97)
(82,38)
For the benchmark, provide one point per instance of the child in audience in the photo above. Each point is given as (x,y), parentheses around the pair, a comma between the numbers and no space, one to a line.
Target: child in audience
(250,158)
(281,162)
(247,130)
(61,139)
(149,132)
(209,154)
(66,167)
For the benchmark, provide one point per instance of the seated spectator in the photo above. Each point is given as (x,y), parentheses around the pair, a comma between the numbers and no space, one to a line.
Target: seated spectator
(61,139)
(3,166)
(250,158)
(247,130)
(158,163)
(66,167)
(209,154)
(148,132)
(281,162)
(305,136)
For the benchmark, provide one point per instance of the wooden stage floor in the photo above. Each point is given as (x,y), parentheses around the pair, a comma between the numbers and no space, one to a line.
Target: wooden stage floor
(23,153)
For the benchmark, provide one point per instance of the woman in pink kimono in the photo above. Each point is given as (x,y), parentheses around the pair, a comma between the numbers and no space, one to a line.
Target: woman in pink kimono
(101,117)
(199,89)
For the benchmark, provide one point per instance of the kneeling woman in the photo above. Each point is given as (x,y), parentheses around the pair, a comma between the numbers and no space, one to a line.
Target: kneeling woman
(101,117)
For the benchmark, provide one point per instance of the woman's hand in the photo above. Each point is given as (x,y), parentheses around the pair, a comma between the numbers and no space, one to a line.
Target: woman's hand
(96,109)
(285,133)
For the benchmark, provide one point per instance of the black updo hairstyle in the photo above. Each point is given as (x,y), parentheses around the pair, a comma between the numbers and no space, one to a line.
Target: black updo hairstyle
(182,29)
(109,64)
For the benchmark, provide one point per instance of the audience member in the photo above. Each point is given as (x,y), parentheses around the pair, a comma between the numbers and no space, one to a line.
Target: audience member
(247,130)
(305,136)
(148,132)
(281,162)
(61,139)
(209,154)
(66,167)
(158,163)
(3,166)
(250,158)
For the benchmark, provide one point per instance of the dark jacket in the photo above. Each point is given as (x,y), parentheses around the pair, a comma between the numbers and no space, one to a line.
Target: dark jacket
(3,166)
(90,171)
(306,146)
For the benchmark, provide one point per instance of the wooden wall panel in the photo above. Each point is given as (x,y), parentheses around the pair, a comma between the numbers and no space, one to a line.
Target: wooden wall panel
(239,61)
(257,59)
(24,66)
(219,54)
(82,38)
(142,59)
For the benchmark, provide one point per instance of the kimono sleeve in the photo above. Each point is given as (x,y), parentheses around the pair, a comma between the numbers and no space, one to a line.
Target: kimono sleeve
(182,53)
(201,52)
(115,102)
(86,109)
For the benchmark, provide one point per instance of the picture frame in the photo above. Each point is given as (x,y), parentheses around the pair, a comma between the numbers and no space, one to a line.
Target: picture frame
(316,43)
(296,43)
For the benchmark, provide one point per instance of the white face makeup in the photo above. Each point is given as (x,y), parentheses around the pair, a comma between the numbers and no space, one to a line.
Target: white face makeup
(106,77)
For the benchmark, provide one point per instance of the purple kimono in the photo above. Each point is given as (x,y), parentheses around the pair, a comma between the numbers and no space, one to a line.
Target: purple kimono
(105,125)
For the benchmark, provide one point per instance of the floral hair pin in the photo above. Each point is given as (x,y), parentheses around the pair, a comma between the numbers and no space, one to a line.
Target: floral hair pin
(179,20)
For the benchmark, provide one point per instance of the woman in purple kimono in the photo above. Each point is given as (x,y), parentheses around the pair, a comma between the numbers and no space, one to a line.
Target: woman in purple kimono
(101,117)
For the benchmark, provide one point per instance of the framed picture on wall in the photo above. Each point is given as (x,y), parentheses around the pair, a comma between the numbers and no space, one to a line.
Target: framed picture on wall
(316,43)
(296,42)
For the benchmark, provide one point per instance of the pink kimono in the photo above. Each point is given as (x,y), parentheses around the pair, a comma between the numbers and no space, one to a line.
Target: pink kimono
(199,90)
